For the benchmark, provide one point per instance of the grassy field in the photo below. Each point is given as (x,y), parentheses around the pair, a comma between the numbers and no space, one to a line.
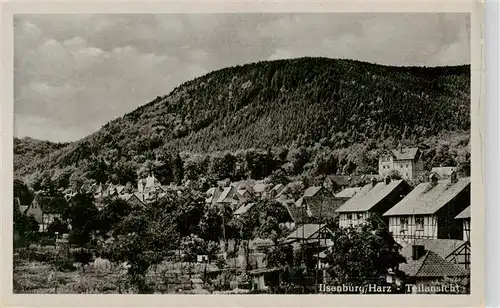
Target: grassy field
(39,277)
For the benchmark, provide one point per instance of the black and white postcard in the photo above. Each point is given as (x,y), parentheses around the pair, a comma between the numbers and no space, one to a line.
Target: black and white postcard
(203,154)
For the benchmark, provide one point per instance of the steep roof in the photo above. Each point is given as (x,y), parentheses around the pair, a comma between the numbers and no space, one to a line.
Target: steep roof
(442,247)
(464,214)
(243,184)
(428,199)
(210,191)
(429,265)
(443,171)
(277,188)
(369,196)
(288,187)
(341,180)
(299,214)
(348,192)
(225,196)
(311,191)
(325,210)
(125,196)
(243,209)
(308,193)
(260,187)
(212,194)
(405,153)
(35,210)
(120,188)
(304,231)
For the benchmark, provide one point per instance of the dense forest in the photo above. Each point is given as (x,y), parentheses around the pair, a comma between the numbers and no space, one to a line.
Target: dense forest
(307,116)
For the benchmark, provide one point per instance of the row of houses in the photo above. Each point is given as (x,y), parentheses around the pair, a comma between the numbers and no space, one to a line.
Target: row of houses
(430,221)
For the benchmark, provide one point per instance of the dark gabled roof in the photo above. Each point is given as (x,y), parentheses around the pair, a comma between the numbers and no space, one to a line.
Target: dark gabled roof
(464,214)
(348,192)
(430,265)
(243,209)
(405,153)
(278,187)
(212,194)
(311,191)
(428,199)
(299,214)
(341,180)
(369,196)
(442,247)
(226,196)
(325,210)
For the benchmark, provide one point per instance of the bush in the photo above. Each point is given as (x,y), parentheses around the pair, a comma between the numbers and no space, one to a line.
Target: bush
(82,256)
(47,241)
(65,265)
(44,256)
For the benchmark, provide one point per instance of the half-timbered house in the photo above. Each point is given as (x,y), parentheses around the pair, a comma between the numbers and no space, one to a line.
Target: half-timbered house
(430,209)
(464,216)
(373,199)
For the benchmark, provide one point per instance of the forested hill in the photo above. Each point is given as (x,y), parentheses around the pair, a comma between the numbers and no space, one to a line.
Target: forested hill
(28,150)
(338,104)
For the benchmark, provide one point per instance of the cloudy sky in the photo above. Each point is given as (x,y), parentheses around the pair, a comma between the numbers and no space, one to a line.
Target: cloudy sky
(74,73)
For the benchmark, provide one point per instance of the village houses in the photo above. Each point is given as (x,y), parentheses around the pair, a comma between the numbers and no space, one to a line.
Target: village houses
(317,204)
(41,210)
(428,261)
(429,210)
(374,199)
(464,216)
(405,161)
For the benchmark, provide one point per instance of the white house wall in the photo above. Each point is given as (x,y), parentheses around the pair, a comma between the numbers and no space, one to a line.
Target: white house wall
(352,219)
(428,231)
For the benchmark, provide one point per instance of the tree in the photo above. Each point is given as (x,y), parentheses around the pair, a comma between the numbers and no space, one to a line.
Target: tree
(25,227)
(82,215)
(395,175)
(363,254)
(22,192)
(143,238)
(279,177)
(192,246)
(222,165)
(114,211)
(214,224)
(58,226)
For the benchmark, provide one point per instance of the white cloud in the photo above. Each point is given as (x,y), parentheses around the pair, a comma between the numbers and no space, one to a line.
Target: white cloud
(73,73)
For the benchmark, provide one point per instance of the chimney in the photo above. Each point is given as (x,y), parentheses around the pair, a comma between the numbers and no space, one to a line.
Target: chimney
(433,178)
(453,177)
(401,148)
(387,180)
(417,251)
(374,181)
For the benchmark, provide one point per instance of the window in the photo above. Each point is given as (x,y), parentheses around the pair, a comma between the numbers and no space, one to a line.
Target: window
(403,222)
(349,216)
(406,166)
(359,216)
(419,222)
